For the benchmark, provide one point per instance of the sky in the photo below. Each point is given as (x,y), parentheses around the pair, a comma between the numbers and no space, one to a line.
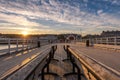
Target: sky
(59,16)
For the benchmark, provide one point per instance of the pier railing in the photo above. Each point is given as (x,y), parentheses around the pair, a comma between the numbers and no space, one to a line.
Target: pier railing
(10,45)
(115,40)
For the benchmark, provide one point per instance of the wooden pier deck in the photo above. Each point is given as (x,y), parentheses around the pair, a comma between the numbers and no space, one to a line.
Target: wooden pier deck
(58,63)
(60,67)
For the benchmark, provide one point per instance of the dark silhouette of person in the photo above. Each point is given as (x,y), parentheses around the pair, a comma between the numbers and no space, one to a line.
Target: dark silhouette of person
(87,43)
(38,43)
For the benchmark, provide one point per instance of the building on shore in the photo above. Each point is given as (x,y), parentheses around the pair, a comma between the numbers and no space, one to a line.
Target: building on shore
(104,34)
(110,33)
(106,37)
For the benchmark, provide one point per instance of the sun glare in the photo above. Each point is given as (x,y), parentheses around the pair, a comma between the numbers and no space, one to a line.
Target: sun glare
(24,33)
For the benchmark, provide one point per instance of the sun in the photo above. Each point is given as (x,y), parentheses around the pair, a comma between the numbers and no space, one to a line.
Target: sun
(24,33)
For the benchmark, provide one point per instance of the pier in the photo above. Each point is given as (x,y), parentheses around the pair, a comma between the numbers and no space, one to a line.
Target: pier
(59,39)
(61,61)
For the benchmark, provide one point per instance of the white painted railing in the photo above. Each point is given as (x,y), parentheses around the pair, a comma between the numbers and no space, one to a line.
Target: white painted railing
(19,44)
(104,40)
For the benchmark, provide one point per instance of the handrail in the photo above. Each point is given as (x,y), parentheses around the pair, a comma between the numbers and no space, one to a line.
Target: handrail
(12,45)
(86,65)
(113,40)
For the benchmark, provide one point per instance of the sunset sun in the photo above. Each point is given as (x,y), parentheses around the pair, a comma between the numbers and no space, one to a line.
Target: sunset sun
(24,33)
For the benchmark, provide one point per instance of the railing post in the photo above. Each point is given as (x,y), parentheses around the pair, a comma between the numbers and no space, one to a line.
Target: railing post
(107,40)
(17,45)
(101,41)
(96,41)
(23,45)
(115,40)
(31,44)
(27,44)
(9,46)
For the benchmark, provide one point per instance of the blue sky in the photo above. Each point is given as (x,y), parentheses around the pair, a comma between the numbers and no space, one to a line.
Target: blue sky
(59,16)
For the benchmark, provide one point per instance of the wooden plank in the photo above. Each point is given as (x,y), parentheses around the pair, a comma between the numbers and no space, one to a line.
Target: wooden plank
(60,67)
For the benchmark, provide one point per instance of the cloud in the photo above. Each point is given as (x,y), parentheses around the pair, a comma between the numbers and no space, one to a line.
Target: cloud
(60,15)
(99,12)
(18,20)
(85,1)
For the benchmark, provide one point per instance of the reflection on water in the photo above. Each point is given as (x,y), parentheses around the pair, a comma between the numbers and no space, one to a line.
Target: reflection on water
(5,46)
